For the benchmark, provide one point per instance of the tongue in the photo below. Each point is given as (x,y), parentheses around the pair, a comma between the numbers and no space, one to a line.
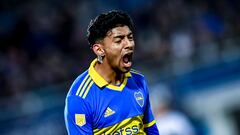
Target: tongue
(127,62)
(125,59)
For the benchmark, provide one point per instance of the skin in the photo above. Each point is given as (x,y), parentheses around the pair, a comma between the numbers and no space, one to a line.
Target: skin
(118,42)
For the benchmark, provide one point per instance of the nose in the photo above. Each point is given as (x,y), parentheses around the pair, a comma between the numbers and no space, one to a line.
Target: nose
(129,44)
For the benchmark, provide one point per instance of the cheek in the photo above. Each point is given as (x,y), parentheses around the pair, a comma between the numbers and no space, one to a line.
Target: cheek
(114,51)
(113,54)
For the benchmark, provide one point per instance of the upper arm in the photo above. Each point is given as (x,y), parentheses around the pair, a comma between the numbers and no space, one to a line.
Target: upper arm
(148,119)
(77,116)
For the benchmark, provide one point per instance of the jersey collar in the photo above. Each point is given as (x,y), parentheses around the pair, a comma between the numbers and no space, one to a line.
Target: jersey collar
(100,81)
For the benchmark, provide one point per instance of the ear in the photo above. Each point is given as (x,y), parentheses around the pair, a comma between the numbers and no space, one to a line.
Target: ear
(98,49)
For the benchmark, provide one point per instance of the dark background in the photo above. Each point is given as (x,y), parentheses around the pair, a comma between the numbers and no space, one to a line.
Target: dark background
(190,47)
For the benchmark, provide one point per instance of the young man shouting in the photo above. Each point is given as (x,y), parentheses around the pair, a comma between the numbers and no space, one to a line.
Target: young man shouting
(110,98)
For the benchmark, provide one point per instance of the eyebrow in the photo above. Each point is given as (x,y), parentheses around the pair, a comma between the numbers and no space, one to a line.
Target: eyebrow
(122,36)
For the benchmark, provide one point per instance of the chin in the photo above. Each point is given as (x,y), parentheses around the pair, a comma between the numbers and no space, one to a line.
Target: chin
(125,70)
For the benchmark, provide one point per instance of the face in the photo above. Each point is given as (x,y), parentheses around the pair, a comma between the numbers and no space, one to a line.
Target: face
(118,47)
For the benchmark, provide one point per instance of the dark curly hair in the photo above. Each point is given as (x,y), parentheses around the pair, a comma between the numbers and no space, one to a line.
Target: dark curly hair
(99,27)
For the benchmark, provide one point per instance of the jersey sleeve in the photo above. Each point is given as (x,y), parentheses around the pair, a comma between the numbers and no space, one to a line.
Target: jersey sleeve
(150,126)
(77,116)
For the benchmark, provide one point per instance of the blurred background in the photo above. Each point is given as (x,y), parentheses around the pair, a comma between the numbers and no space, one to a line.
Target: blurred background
(189,51)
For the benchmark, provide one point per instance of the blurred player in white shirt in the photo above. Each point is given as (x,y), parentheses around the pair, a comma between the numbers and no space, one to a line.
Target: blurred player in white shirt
(169,121)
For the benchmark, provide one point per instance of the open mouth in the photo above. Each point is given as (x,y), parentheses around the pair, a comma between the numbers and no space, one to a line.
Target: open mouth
(127,59)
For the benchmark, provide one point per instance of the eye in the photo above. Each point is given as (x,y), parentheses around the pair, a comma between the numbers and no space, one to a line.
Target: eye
(130,38)
(118,41)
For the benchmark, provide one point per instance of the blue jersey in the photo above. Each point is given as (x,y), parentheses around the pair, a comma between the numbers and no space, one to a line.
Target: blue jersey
(93,106)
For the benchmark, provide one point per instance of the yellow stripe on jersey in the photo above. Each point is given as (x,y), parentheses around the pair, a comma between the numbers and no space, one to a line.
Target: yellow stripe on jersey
(89,86)
(132,125)
(83,82)
(149,124)
(136,72)
(84,87)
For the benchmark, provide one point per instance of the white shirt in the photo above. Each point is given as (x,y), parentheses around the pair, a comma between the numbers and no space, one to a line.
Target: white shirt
(173,123)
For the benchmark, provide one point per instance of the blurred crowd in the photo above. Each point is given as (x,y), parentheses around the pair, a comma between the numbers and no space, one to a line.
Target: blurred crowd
(44,42)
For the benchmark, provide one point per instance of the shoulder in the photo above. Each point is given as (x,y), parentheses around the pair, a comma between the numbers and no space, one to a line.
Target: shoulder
(80,84)
(79,90)
(136,74)
(138,77)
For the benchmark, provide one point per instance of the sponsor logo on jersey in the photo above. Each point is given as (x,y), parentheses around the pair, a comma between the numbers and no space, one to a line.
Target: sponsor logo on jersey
(108,112)
(131,130)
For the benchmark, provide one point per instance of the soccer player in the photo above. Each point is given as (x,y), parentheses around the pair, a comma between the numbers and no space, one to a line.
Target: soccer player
(109,98)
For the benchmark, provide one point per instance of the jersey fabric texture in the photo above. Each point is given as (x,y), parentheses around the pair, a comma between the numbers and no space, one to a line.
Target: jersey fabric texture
(93,106)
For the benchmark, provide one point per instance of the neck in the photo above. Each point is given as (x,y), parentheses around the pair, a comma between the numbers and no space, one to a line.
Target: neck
(111,76)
